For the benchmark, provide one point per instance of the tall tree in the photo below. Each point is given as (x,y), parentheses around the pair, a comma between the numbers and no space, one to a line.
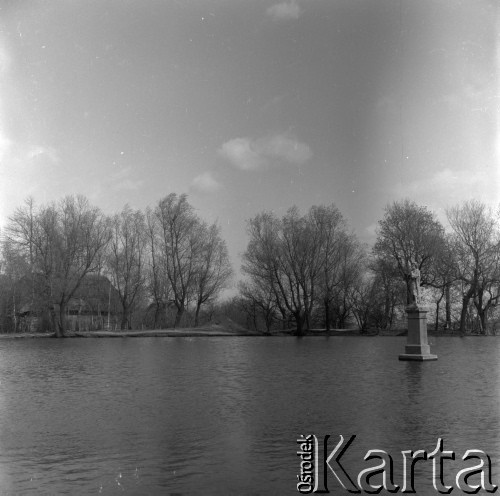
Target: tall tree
(212,267)
(67,240)
(350,268)
(181,245)
(14,272)
(389,291)
(284,256)
(410,233)
(334,238)
(126,258)
(157,285)
(258,301)
(476,255)
(260,261)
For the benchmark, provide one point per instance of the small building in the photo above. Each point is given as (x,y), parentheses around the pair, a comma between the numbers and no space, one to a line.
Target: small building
(94,306)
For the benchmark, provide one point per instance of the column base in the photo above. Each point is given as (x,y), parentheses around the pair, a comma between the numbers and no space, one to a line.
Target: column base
(417,348)
(417,357)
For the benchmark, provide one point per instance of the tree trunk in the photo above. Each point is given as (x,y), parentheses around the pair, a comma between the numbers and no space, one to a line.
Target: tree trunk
(438,304)
(178,315)
(408,290)
(61,321)
(463,313)
(327,315)
(254,316)
(125,318)
(269,321)
(157,314)
(284,320)
(124,322)
(436,322)
(388,311)
(299,320)
(483,318)
(197,314)
(448,307)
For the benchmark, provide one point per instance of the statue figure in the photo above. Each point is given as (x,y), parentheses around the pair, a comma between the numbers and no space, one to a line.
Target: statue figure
(414,284)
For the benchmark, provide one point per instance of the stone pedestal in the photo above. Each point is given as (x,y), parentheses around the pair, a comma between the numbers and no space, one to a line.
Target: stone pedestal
(417,347)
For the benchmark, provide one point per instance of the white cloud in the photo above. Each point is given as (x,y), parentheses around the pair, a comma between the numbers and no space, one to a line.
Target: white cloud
(249,154)
(447,187)
(286,149)
(205,183)
(43,151)
(284,11)
(241,152)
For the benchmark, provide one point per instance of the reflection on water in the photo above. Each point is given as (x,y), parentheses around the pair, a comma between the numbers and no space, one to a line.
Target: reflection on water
(221,415)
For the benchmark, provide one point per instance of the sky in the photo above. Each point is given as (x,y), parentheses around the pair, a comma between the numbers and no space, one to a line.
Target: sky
(250,105)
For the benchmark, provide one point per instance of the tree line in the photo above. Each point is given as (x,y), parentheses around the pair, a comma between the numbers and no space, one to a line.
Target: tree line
(299,271)
(165,257)
(312,270)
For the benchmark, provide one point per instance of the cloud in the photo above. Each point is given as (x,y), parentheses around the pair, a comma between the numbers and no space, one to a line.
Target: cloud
(48,152)
(242,153)
(205,183)
(249,154)
(286,149)
(448,187)
(284,11)
(12,151)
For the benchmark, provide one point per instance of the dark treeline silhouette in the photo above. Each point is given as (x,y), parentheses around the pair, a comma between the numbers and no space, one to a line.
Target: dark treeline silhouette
(66,266)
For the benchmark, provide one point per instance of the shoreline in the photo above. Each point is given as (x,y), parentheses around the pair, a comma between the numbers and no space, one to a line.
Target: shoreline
(220,331)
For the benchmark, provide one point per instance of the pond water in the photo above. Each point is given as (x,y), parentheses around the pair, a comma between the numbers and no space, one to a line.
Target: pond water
(222,415)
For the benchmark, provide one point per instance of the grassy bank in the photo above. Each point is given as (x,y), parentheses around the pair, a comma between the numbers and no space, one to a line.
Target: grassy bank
(220,330)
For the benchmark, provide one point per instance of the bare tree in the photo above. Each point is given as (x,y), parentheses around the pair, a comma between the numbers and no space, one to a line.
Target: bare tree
(259,300)
(260,261)
(14,272)
(180,247)
(342,259)
(332,227)
(158,286)
(445,277)
(365,300)
(126,258)
(475,245)
(350,269)
(389,292)
(409,232)
(66,241)
(284,255)
(212,267)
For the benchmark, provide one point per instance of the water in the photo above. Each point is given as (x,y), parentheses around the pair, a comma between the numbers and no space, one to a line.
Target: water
(222,415)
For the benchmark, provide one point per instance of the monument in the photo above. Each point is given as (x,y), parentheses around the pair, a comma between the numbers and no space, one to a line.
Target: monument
(417,347)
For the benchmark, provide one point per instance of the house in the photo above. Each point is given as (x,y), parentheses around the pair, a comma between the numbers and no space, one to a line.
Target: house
(95,305)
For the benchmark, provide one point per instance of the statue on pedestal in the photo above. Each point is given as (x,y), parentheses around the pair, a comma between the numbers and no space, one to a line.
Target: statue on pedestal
(414,284)
(417,346)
